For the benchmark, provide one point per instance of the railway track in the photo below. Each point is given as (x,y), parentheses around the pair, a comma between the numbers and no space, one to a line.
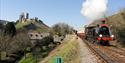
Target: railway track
(118,50)
(114,54)
(104,58)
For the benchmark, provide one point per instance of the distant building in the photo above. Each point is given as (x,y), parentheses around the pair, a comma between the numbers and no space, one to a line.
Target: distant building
(36,18)
(35,36)
(23,17)
(27,15)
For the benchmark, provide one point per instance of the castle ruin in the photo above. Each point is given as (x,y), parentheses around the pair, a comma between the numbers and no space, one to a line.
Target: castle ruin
(23,17)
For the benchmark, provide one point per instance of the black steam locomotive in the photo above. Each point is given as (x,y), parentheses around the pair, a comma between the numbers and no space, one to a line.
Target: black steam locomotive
(100,34)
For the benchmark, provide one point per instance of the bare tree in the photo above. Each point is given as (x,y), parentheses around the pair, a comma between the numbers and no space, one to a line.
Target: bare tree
(12,45)
(62,29)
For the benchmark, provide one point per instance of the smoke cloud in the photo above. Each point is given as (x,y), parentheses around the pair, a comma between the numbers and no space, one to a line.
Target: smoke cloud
(94,9)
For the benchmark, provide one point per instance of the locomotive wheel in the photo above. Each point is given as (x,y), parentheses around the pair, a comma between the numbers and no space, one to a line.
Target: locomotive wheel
(105,43)
(97,42)
(101,42)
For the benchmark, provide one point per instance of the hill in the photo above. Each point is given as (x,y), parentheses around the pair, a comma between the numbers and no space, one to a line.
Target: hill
(32,25)
(3,22)
(117,23)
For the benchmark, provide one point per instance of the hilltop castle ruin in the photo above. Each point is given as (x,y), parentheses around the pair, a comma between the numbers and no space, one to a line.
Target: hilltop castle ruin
(23,17)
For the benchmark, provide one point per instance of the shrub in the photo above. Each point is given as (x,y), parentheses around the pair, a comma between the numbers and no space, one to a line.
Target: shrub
(10,29)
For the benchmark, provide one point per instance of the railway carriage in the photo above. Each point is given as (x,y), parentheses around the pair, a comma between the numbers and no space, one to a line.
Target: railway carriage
(90,33)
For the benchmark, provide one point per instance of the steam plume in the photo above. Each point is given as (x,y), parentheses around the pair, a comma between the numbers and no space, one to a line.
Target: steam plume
(94,9)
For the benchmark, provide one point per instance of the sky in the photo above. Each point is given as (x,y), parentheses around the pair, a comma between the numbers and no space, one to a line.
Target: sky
(52,11)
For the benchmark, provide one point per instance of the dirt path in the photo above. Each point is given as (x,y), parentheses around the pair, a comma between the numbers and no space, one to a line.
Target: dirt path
(86,56)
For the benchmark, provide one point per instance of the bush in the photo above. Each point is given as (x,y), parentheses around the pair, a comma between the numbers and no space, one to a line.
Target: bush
(47,40)
(10,29)
(62,29)
(13,45)
(121,36)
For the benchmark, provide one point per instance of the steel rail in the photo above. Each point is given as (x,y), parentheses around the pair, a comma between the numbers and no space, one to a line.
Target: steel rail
(103,57)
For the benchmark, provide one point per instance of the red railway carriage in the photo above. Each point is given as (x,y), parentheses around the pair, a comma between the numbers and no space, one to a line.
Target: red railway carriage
(81,34)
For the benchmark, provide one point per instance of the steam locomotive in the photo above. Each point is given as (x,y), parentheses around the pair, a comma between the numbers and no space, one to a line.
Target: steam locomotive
(100,34)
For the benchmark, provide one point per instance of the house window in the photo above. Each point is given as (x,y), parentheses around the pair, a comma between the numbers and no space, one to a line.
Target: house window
(31,35)
(41,35)
(36,35)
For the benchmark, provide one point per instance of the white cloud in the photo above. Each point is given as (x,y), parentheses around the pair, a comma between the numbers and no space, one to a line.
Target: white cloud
(94,9)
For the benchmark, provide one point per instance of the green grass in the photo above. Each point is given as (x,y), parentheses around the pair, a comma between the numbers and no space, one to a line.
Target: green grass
(42,30)
(68,53)
(29,59)
(20,25)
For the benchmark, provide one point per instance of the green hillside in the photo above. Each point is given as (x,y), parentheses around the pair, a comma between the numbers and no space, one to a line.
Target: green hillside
(38,26)
(117,23)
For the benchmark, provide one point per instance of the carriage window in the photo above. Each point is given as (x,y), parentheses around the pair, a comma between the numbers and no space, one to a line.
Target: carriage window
(104,30)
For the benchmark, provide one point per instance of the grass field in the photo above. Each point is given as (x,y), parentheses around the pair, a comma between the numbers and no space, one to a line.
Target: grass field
(33,58)
(20,25)
(29,59)
(68,53)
